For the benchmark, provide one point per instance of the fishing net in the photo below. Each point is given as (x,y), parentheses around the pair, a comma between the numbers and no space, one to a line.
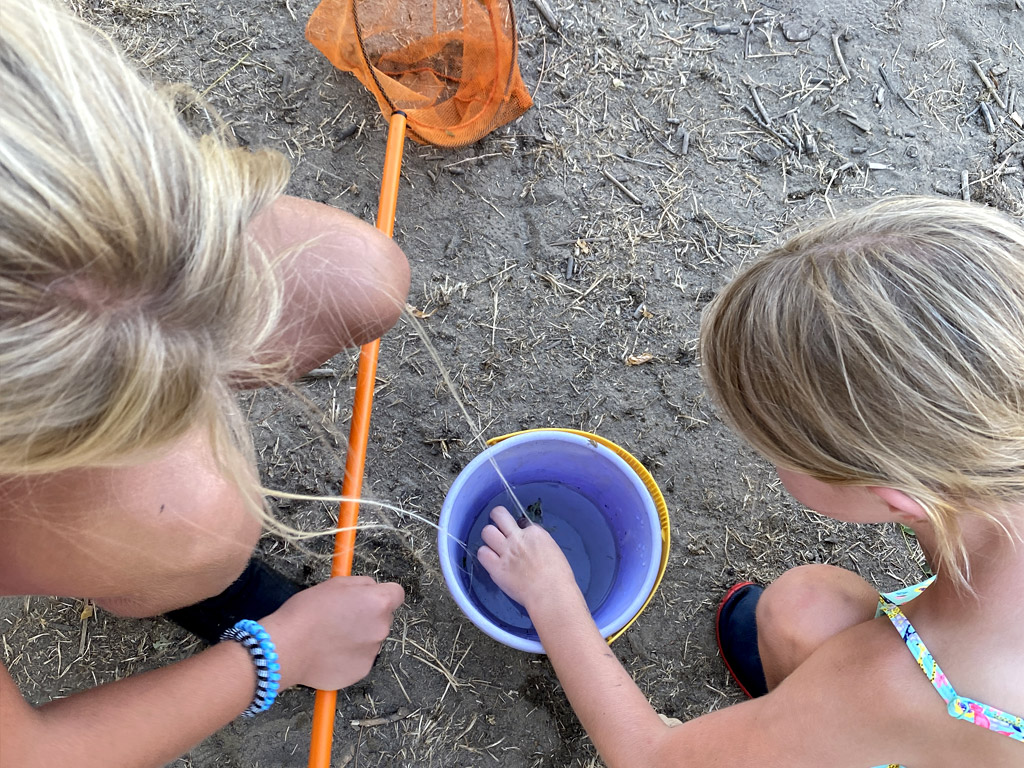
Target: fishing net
(450,65)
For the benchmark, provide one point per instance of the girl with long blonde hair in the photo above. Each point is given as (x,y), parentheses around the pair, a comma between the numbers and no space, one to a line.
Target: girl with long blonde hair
(145,274)
(877,360)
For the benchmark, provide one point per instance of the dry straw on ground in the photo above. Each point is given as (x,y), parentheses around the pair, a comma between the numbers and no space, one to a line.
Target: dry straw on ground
(670,142)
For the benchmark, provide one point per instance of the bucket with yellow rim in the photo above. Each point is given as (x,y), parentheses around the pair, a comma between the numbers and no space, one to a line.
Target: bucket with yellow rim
(596,500)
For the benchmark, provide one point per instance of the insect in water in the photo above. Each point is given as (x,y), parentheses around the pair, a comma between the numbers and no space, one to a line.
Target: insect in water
(535,512)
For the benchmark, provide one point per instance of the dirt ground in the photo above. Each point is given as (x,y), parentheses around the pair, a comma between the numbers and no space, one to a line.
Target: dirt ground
(670,142)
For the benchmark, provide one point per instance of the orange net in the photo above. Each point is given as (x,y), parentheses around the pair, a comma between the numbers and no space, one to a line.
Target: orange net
(450,65)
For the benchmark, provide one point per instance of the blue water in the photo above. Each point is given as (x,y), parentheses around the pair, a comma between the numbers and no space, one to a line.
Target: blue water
(580,530)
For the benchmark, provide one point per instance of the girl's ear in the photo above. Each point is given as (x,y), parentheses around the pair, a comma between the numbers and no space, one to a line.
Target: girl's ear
(904,507)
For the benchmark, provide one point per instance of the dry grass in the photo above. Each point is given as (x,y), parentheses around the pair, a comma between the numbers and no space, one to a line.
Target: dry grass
(663,152)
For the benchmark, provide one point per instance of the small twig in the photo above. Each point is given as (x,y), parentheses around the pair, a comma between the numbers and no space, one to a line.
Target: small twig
(548,14)
(400,714)
(87,613)
(471,159)
(557,286)
(768,129)
(666,146)
(621,187)
(621,156)
(839,55)
(899,95)
(584,295)
(986,112)
(212,85)
(757,103)
(989,85)
(965,185)
(746,34)
(494,321)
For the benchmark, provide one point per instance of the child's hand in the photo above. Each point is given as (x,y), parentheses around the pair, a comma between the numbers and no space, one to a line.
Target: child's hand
(328,636)
(525,562)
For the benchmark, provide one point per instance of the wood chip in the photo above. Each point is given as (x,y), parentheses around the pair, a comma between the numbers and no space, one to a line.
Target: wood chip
(320,373)
(415,312)
(646,357)
(861,123)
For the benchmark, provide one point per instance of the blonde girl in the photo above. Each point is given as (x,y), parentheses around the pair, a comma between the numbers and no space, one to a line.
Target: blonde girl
(144,274)
(877,360)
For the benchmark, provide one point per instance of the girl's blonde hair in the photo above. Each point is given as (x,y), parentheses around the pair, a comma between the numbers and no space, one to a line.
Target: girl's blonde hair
(885,347)
(129,294)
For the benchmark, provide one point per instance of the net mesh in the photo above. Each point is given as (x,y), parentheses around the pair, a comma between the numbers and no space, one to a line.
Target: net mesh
(450,65)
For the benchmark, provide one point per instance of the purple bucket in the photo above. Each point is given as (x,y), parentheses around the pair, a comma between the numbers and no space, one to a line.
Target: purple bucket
(591,501)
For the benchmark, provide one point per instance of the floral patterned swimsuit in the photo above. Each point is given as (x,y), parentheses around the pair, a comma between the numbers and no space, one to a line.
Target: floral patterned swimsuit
(958,706)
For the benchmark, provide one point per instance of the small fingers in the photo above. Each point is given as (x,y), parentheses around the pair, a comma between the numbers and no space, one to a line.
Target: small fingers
(488,558)
(504,520)
(494,539)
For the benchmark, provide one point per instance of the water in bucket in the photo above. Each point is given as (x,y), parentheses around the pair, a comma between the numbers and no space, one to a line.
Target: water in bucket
(578,527)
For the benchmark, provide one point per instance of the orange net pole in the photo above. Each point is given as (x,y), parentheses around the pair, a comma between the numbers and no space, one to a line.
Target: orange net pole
(359,432)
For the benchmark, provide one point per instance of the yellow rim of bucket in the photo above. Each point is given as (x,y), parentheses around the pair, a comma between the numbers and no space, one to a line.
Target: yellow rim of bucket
(652,488)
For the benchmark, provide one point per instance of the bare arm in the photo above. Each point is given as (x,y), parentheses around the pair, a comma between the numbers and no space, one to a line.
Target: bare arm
(608,703)
(818,716)
(614,712)
(344,282)
(150,719)
(145,720)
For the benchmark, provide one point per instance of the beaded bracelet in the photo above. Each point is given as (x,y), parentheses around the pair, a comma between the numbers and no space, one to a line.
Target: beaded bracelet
(257,642)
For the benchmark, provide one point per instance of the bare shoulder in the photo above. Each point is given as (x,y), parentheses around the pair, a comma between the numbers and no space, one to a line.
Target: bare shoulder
(183,471)
(860,701)
(94,532)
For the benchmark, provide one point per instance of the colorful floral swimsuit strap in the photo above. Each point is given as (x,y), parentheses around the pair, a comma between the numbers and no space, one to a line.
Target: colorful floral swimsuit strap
(958,706)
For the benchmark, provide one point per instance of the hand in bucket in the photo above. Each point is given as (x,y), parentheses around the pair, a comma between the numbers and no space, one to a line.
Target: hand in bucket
(525,562)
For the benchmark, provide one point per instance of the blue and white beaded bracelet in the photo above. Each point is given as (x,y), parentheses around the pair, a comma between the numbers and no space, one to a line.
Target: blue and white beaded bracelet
(257,642)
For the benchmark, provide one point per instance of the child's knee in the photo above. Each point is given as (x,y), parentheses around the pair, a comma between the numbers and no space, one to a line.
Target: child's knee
(780,611)
(212,567)
(808,604)
(192,565)
(196,578)
(384,284)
